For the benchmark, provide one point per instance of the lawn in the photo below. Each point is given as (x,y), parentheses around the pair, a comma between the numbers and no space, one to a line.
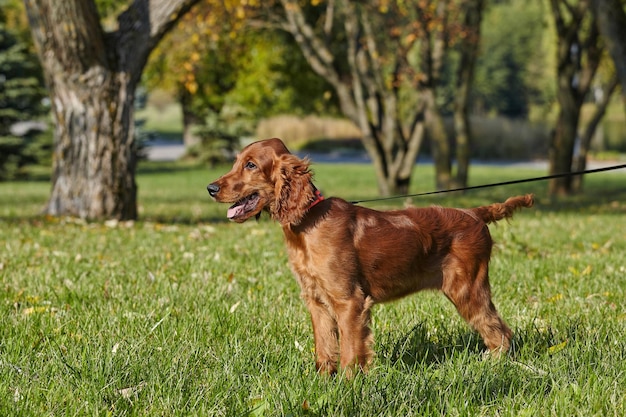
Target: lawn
(182,313)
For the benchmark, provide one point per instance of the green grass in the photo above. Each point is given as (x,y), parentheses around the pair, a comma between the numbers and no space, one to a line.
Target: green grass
(183,313)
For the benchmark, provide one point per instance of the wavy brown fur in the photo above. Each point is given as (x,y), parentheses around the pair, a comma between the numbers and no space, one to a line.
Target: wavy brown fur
(347,258)
(498,211)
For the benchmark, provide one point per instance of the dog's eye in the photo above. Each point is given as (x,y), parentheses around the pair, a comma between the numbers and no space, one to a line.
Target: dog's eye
(250,165)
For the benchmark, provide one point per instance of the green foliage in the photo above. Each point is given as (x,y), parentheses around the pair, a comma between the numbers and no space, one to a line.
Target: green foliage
(21,94)
(213,61)
(219,137)
(110,8)
(186,314)
(508,75)
(274,78)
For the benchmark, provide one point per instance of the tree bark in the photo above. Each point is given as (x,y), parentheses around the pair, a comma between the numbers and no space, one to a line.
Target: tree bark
(469,51)
(92,76)
(611,22)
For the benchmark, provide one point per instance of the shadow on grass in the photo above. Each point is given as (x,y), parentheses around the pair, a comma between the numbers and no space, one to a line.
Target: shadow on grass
(485,379)
(416,346)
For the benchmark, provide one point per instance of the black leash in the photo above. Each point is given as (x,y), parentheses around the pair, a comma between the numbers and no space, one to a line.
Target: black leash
(476,187)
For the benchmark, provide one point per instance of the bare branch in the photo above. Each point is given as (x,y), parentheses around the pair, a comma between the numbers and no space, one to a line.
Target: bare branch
(328,23)
(314,50)
(142,26)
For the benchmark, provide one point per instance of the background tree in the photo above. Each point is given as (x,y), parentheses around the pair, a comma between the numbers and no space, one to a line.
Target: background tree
(611,22)
(434,39)
(374,54)
(469,50)
(513,70)
(602,98)
(21,94)
(197,62)
(92,75)
(578,57)
(227,73)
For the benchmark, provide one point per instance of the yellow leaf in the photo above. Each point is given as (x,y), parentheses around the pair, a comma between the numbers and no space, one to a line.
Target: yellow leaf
(586,271)
(192,87)
(555,298)
(38,309)
(557,348)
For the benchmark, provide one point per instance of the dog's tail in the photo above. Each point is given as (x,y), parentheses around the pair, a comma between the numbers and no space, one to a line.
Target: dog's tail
(498,211)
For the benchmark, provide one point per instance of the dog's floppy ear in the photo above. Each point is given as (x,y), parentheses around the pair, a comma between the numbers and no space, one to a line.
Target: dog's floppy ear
(294,190)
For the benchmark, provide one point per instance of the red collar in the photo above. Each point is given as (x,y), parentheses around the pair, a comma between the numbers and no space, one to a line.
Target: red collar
(318,197)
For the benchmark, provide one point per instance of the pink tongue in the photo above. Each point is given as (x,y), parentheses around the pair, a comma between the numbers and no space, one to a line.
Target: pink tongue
(235,211)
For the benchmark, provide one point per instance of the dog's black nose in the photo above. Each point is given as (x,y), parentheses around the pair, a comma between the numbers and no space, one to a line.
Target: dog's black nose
(213,189)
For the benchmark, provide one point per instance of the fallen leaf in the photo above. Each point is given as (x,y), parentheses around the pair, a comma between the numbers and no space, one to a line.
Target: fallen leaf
(39,309)
(299,346)
(555,298)
(129,392)
(234,307)
(557,348)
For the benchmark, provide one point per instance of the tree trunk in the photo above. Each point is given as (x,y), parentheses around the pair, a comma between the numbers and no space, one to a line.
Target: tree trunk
(433,49)
(190,119)
(562,148)
(611,22)
(92,76)
(94,154)
(580,159)
(578,57)
(465,75)
(367,85)
(438,139)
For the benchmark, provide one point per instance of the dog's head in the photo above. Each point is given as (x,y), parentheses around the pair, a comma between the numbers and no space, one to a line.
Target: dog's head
(266,176)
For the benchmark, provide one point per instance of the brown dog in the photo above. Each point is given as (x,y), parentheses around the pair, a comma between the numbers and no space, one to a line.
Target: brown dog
(346,257)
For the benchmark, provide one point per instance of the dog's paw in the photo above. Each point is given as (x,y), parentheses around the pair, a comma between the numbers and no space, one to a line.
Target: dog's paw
(326,367)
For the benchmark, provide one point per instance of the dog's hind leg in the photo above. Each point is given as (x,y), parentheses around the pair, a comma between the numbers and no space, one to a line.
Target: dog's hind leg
(470,292)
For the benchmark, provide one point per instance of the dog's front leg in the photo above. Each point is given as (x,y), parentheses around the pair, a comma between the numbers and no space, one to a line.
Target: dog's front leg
(353,317)
(326,336)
